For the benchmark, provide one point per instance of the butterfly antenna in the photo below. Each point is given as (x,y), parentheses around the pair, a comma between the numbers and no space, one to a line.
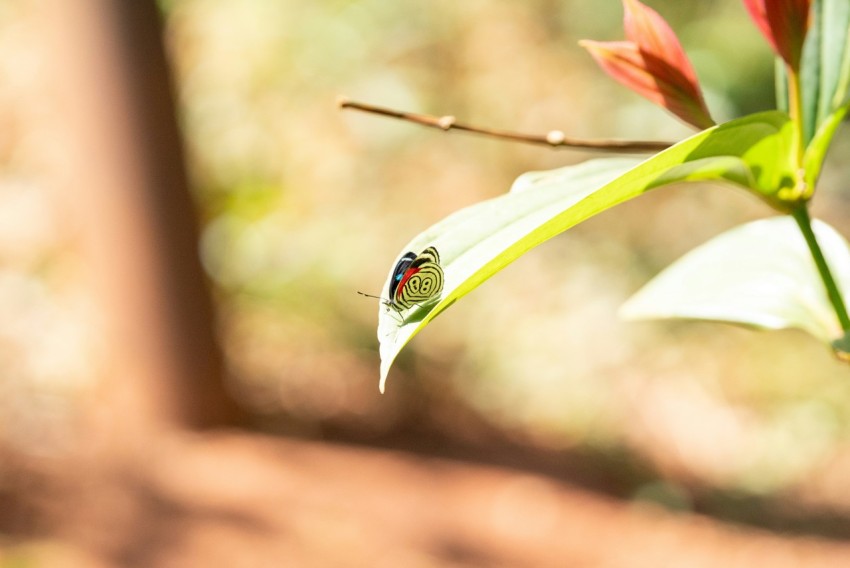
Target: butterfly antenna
(369,295)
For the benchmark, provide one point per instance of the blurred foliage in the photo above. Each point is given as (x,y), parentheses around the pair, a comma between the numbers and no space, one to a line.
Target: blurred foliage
(303,205)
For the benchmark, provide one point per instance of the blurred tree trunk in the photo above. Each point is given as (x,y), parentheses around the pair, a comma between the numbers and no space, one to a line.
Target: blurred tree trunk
(123,169)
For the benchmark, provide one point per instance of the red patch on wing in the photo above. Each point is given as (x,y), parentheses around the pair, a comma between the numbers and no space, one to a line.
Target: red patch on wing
(410,272)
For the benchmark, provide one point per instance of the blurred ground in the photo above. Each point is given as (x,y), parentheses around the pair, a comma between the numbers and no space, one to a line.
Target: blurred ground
(237,500)
(527,427)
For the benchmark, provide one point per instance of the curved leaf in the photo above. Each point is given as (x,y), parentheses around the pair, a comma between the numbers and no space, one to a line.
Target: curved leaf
(825,64)
(816,151)
(760,274)
(478,241)
(477,235)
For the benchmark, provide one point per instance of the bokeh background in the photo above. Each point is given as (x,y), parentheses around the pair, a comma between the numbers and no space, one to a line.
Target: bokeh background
(302,205)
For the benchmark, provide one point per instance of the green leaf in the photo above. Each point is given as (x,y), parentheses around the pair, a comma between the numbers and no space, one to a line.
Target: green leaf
(816,151)
(478,236)
(760,275)
(825,66)
(477,242)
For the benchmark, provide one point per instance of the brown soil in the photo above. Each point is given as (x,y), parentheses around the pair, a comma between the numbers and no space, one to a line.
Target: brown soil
(237,499)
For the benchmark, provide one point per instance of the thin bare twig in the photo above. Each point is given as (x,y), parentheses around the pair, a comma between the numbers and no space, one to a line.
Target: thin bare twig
(553,139)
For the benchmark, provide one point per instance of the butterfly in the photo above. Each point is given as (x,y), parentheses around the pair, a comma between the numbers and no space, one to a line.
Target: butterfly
(417,279)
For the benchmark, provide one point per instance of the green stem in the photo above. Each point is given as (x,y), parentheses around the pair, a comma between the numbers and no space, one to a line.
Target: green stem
(795,111)
(804,221)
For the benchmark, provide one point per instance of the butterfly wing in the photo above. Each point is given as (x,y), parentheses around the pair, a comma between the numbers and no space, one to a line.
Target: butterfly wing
(421,282)
(399,271)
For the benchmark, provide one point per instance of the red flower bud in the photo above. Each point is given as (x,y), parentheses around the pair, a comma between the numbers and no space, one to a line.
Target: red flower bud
(653,64)
(784,23)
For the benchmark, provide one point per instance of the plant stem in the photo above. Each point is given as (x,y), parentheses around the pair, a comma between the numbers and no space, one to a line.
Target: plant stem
(804,221)
(554,138)
(795,111)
